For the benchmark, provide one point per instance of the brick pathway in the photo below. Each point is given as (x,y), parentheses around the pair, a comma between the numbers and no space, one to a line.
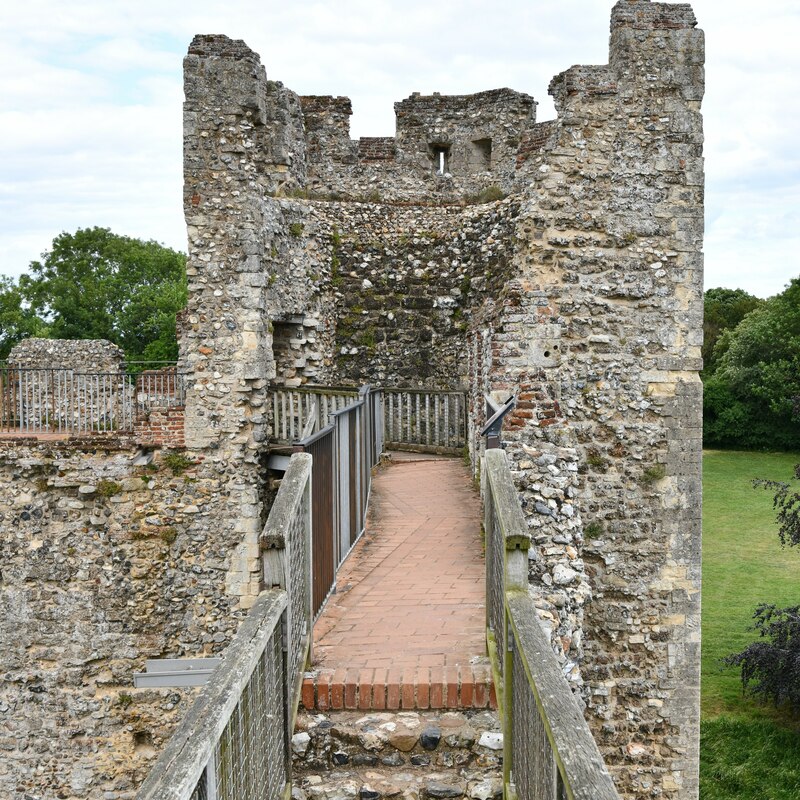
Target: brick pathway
(406,627)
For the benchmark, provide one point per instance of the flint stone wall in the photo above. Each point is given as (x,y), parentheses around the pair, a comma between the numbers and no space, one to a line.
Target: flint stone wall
(80,355)
(581,293)
(479,135)
(106,564)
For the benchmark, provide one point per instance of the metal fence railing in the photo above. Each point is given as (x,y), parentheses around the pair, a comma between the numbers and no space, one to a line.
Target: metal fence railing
(424,418)
(292,409)
(287,554)
(234,742)
(344,452)
(549,751)
(60,400)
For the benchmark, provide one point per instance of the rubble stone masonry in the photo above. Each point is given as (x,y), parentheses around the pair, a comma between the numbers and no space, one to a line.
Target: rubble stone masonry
(559,261)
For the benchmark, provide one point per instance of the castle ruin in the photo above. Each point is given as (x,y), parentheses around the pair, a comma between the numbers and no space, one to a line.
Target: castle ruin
(478,249)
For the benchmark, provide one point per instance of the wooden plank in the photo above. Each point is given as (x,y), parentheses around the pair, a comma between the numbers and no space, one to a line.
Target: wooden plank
(287,501)
(512,524)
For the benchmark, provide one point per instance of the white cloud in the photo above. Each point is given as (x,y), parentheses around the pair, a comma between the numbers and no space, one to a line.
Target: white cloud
(92,90)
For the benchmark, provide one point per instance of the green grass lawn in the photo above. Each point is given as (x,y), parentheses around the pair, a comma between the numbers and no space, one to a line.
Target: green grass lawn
(748,750)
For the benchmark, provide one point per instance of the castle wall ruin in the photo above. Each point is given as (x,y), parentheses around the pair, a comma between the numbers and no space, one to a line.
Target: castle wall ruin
(559,261)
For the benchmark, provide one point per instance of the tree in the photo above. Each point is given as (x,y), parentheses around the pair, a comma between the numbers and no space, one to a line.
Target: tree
(723,309)
(751,396)
(95,284)
(17,321)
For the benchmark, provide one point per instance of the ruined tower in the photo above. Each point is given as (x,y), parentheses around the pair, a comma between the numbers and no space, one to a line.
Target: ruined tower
(559,261)
(477,249)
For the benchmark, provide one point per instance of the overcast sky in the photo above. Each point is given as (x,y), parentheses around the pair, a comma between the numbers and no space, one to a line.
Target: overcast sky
(91,94)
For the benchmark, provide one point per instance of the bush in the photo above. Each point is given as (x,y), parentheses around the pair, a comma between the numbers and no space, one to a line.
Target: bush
(771,665)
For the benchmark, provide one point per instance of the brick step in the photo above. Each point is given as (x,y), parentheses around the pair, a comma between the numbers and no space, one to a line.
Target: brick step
(420,688)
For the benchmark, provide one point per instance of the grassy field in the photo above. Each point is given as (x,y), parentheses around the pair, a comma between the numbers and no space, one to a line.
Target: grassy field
(748,750)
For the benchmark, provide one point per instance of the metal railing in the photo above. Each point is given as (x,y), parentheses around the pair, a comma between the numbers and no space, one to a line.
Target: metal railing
(549,751)
(59,400)
(344,452)
(287,556)
(234,742)
(425,418)
(292,409)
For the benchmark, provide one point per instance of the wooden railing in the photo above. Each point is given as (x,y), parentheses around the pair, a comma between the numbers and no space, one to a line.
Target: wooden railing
(59,400)
(425,419)
(292,410)
(234,742)
(344,452)
(549,751)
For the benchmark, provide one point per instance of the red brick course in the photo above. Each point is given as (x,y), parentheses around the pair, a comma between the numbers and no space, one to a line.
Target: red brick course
(161,427)
(469,687)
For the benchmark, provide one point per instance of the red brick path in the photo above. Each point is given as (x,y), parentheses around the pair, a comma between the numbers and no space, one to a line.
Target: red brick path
(406,626)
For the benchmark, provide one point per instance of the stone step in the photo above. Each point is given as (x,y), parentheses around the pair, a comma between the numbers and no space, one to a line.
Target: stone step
(403,784)
(459,687)
(411,755)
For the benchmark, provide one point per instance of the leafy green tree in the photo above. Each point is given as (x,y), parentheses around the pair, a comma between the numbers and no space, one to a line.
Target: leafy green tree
(723,309)
(17,320)
(94,284)
(750,399)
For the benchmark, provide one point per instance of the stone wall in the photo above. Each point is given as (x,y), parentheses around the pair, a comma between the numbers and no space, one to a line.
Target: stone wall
(446,148)
(401,284)
(599,337)
(105,564)
(81,355)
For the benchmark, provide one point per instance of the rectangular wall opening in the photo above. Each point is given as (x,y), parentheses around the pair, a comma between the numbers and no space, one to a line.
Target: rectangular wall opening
(480,155)
(441,158)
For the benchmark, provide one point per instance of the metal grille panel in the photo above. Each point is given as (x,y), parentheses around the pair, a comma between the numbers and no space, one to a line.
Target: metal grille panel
(292,408)
(51,400)
(425,417)
(495,568)
(250,761)
(300,587)
(201,790)
(533,767)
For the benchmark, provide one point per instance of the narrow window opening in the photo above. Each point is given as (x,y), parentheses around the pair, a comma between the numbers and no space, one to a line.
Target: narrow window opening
(441,158)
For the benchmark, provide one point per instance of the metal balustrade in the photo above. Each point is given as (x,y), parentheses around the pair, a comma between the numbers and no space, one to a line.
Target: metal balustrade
(234,742)
(549,751)
(423,419)
(344,453)
(287,556)
(291,410)
(60,400)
